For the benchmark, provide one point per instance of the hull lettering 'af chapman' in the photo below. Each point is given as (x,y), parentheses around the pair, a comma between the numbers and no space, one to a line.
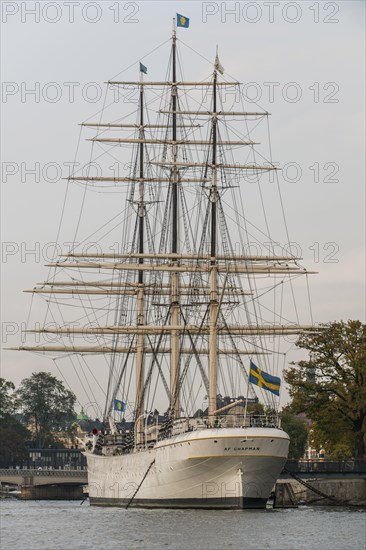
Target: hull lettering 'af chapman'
(181,295)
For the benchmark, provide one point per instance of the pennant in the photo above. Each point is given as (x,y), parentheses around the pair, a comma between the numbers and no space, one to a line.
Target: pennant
(218,65)
(143,69)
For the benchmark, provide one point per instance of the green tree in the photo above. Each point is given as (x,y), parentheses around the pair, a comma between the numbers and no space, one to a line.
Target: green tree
(13,435)
(330,387)
(47,406)
(7,402)
(296,429)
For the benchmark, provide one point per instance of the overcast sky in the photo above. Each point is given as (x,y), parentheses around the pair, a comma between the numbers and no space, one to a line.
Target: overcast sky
(302,61)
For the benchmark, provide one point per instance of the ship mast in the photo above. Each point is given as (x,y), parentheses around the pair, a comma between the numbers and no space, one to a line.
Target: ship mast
(212,375)
(175,263)
(140,375)
(174,359)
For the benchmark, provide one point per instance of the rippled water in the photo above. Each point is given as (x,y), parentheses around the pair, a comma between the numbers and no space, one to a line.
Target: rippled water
(66,525)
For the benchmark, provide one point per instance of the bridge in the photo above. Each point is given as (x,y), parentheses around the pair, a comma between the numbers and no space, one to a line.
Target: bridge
(46,484)
(43,477)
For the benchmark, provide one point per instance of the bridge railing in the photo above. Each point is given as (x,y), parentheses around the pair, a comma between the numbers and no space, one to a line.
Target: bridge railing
(4,472)
(326,466)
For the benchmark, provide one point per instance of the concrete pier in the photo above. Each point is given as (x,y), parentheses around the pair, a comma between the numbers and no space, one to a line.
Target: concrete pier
(51,492)
(284,496)
(341,491)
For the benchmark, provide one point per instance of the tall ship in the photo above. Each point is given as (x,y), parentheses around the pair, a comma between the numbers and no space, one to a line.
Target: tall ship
(188,309)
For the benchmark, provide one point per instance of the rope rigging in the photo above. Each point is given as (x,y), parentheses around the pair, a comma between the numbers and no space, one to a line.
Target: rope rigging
(178,205)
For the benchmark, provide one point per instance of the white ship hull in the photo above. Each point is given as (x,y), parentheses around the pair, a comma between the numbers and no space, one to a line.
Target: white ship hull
(210,468)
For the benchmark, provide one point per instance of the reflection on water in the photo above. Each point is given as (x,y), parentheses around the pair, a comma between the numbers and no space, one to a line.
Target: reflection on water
(66,525)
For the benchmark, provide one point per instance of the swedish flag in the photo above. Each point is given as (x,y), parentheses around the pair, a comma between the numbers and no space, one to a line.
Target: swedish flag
(182,21)
(119,406)
(264,380)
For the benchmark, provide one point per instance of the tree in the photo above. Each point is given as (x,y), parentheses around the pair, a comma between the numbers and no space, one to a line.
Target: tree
(330,387)
(7,405)
(296,429)
(47,406)
(13,435)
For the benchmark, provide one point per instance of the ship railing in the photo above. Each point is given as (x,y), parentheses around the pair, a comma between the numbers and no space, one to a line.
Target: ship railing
(184,425)
(161,432)
(248,421)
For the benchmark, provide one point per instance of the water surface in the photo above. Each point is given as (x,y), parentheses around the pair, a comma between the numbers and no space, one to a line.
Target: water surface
(65,525)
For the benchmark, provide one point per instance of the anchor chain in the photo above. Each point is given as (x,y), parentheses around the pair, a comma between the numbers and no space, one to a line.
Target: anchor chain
(316,491)
(143,479)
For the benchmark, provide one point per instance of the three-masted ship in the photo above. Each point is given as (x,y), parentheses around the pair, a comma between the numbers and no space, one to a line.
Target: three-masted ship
(184,310)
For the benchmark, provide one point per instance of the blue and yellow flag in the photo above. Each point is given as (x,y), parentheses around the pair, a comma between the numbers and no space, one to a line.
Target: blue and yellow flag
(264,380)
(182,21)
(119,406)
